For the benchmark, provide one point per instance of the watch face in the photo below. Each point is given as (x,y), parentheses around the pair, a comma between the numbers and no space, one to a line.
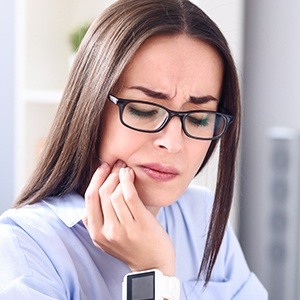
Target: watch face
(141,286)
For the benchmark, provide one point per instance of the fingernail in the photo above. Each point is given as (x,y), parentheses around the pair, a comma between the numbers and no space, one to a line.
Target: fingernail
(125,171)
(130,172)
(120,163)
(122,171)
(104,166)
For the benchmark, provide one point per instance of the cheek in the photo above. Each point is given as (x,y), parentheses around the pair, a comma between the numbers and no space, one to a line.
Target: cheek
(117,142)
(111,144)
(108,134)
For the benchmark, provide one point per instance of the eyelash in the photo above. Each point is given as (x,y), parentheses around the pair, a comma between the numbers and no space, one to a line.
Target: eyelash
(141,113)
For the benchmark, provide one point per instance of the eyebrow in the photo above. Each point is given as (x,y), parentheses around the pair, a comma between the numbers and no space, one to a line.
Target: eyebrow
(151,93)
(163,96)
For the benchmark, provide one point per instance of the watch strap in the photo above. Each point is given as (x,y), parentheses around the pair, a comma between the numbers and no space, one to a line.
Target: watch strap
(170,288)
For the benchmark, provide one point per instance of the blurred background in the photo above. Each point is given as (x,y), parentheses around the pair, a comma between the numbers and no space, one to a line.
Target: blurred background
(37,42)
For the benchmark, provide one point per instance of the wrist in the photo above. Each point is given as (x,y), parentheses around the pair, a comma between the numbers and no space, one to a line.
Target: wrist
(169,269)
(167,265)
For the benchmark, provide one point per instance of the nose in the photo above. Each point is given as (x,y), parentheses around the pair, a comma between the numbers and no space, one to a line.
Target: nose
(171,138)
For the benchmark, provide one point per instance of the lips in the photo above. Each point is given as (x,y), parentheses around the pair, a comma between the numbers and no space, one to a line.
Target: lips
(159,172)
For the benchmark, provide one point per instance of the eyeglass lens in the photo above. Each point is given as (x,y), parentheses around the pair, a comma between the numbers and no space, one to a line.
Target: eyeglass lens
(147,117)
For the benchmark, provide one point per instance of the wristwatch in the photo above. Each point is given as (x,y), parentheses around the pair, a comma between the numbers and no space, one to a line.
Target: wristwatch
(150,285)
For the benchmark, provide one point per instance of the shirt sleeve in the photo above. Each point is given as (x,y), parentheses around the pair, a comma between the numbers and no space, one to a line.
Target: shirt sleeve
(231,278)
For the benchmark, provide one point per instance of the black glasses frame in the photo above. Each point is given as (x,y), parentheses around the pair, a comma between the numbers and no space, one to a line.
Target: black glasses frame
(121,103)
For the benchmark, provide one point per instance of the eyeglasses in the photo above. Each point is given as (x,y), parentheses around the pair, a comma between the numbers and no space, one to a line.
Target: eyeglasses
(150,117)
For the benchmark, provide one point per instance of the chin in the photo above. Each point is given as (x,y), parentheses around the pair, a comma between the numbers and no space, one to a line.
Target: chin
(158,197)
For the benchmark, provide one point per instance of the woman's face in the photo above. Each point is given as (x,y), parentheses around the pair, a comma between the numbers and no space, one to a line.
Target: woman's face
(171,71)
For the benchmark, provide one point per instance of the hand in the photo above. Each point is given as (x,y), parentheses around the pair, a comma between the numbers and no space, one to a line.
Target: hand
(120,224)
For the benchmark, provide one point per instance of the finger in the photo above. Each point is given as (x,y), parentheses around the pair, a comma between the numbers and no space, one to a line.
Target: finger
(106,190)
(120,207)
(94,217)
(130,194)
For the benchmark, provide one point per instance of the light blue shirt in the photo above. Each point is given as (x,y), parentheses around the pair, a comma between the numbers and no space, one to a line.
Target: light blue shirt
(47,253)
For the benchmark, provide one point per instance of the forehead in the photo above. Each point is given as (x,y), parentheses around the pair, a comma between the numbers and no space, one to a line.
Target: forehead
(166,63)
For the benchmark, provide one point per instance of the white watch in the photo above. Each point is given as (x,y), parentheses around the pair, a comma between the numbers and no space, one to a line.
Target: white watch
(150,285)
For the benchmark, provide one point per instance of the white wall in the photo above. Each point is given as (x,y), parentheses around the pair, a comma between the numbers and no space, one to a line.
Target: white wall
(229,16)
(6,103)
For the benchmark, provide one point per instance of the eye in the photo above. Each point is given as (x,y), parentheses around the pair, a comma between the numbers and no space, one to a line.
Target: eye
(142,110)
(198,119)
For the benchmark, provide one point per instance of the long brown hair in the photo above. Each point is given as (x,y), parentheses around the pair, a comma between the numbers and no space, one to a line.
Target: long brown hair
(70,155)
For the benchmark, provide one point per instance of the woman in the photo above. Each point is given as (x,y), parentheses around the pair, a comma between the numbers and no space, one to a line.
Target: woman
(152,91)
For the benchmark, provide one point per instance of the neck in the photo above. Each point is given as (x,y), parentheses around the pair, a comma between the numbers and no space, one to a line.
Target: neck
(154,210)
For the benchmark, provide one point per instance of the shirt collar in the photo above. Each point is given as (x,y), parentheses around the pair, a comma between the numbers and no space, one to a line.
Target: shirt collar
(70,208)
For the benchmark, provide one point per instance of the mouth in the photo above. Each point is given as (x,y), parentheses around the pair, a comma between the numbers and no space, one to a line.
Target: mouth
(159,172)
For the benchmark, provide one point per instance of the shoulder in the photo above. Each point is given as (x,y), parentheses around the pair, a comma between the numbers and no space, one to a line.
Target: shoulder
(40,248)
(48,219)
(53,211)
(26,214)
(29,222)
(25,253)
(20,249)
(25,220)
(24,228)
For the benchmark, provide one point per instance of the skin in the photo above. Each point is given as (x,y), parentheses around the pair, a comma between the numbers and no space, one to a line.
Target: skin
(142,172)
